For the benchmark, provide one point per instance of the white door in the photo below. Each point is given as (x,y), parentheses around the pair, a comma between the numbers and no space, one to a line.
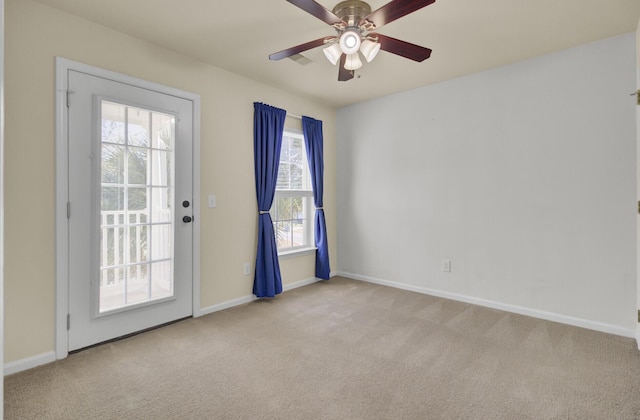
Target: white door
(130,153)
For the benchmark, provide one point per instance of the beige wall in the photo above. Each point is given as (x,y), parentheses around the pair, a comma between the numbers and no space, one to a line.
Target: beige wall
(35,35)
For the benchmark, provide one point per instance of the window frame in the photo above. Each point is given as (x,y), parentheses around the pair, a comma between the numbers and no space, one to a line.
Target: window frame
(308,204)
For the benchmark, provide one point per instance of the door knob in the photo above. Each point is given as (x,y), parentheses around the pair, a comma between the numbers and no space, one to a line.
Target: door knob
(187,219)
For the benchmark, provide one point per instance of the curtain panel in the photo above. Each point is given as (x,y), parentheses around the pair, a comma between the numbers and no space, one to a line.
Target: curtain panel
(268,127)
(312,130)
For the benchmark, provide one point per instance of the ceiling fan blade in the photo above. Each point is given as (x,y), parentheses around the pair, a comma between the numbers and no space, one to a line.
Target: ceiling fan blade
(405,49)
(317,10)
(394,10)
(298,49)
(344,74)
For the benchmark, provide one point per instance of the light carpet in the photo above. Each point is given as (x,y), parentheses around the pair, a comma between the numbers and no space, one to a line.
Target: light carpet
(342,349)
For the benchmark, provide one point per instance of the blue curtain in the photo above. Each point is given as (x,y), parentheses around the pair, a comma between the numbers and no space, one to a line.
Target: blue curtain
(313,141)
(268,126)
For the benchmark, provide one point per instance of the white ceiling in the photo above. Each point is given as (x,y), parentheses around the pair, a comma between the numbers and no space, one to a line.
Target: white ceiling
(466,36)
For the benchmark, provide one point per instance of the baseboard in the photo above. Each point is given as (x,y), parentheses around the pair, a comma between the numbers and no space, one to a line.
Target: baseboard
(224,305)
(29,362)
(300,283)
(550,316)
(250,298)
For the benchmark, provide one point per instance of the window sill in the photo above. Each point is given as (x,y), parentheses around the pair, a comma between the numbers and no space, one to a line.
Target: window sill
(298,252)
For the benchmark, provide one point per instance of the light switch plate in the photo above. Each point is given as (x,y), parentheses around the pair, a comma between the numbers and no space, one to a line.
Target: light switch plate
(212,201)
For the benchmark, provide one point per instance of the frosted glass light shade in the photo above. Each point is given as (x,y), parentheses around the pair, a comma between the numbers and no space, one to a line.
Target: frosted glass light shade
(350,42)
(353,62)
(369,49)
(333,53)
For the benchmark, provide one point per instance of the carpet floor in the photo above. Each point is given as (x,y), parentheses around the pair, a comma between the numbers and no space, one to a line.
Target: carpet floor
(342,349)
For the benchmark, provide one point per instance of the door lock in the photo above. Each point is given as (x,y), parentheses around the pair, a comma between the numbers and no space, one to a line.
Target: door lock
(187,219)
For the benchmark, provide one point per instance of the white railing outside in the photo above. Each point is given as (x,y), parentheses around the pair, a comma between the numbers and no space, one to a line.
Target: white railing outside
(114,229)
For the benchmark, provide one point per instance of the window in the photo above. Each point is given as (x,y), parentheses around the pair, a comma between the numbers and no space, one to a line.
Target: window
(293,202)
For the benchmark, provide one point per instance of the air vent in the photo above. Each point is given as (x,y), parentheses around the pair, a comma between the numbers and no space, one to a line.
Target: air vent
(300,59)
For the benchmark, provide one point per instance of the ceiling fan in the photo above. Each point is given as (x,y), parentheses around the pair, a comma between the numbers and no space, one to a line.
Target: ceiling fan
(354,22)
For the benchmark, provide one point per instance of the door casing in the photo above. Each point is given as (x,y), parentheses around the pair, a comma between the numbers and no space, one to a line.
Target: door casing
(638,181)
(61,222)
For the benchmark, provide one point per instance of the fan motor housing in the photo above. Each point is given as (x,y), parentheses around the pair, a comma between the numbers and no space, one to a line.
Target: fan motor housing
(352,11)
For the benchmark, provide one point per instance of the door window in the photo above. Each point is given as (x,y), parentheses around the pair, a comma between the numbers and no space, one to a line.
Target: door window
(136,200)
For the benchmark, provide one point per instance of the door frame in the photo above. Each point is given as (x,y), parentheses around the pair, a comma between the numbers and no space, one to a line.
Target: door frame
(63,66)
(638,183)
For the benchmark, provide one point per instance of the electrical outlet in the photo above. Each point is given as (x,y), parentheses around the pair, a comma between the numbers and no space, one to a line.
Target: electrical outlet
(446,266)
(246,269)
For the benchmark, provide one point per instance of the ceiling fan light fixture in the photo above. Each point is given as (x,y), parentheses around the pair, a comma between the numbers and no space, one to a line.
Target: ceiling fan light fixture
(369,49)
(333,53)
(355,24)
(353,62)
(350,42)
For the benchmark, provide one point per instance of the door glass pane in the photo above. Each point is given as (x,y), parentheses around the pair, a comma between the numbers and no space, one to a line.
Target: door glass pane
(112,199)
(161,284)
(138,126)
(137,285)
(161,173)
(111,289)
(161,241)
(113,123)
(136,211)
(162,130)
(161,205)
(138,252)
(112,164)
(137,165)
(137,198)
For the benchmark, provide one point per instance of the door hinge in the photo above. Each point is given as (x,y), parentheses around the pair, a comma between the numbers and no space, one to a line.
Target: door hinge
(68,322)
(69,98)
(68,210)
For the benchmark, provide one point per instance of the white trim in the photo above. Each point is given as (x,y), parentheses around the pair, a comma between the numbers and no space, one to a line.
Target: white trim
(60,213)
(2,198)
(225,305)
(196,207)
(246,299)
(300,283)
(296,193)
(638,335)
(536,313)
(63,65)
(296,252)
(29,363)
